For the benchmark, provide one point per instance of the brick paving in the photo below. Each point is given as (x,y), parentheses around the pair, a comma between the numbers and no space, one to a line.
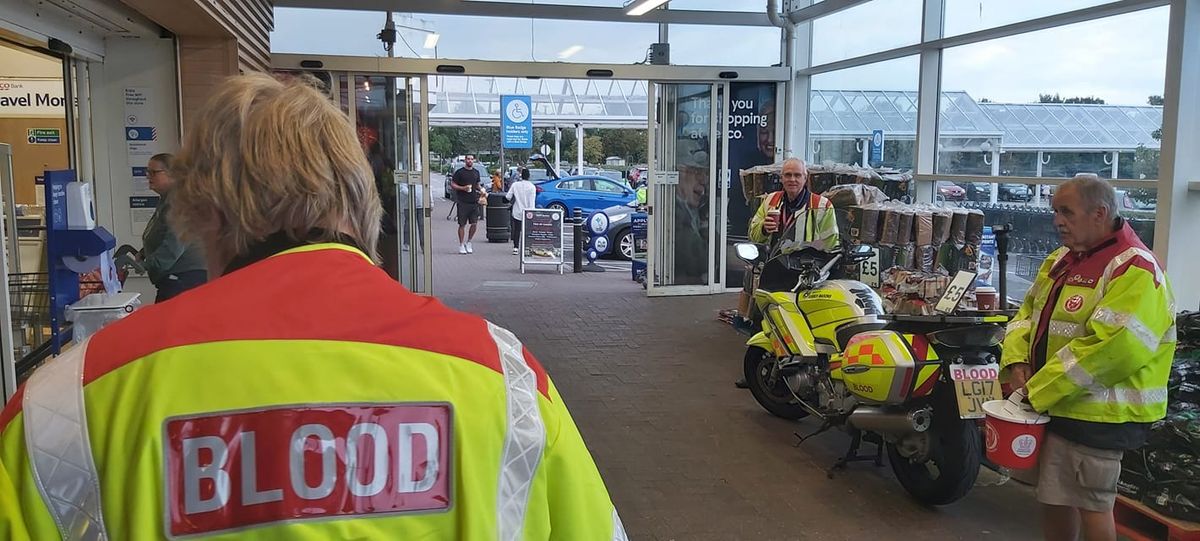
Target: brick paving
(686,455)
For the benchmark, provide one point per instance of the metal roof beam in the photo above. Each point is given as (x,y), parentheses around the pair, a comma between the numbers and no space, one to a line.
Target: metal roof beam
(821,9)
(552,11)
(1120,7)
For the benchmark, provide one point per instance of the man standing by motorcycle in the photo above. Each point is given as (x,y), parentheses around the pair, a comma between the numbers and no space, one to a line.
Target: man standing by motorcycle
(810,214)
(1091,346)
(793,218)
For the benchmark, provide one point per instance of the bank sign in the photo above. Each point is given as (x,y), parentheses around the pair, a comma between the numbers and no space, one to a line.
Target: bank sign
(31,98)
(516,121)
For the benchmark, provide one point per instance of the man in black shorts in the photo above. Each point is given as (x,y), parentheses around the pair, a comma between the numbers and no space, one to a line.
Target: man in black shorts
(465,183)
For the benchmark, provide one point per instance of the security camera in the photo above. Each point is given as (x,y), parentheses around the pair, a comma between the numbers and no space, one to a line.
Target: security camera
(388,34)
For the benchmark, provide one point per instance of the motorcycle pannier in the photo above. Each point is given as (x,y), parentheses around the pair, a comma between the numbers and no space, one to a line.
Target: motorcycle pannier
(888,367)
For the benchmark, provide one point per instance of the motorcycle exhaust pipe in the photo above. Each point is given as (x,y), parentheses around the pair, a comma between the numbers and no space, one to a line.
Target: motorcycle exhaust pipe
(877,420)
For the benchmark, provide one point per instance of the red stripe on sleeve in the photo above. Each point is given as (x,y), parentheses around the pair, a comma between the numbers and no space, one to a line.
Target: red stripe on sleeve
(1141,263)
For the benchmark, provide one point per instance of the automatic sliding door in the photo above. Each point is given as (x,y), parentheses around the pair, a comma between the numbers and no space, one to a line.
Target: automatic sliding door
(683,188)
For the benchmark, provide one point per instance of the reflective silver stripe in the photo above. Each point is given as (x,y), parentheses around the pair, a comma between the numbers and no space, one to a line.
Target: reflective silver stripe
(1077,374)
(618,528)
(1018,325)
(1170,337)
(1066,329)
(1124,396)
(60,453)
(1131,323)
(524,440)
(1123,258)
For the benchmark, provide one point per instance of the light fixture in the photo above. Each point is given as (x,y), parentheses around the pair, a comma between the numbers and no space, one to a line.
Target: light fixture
(569,51)
(431,40)
(637,8)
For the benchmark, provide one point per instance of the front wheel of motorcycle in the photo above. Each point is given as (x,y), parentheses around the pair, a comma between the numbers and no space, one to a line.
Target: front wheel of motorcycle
(775,398)
(953,458)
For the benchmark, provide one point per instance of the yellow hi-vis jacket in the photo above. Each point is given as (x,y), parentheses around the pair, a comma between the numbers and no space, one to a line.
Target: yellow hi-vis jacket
(815,225)
(304,397)
(1108,321)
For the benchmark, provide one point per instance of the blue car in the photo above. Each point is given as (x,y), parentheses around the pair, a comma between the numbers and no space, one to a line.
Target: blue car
(588,192)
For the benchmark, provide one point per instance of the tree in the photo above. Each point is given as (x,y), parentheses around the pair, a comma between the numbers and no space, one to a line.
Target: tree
(1056,98)
(1155,100)
(440,142)
(985,100)
(593,149)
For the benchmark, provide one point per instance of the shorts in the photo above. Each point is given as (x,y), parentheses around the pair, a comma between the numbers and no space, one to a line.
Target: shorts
(467,213)
(1075,475)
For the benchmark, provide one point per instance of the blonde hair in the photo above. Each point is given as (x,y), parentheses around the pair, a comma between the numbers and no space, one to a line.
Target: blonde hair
(267,156)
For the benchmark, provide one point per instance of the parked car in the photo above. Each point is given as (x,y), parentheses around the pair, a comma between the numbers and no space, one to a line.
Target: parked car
(1017,193)
(979,192)
(949,191)
(620,231)
(1132,205)
(590,193)
(596,171)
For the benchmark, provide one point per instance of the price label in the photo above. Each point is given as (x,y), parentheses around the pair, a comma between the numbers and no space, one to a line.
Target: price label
(955,292)
(868,271)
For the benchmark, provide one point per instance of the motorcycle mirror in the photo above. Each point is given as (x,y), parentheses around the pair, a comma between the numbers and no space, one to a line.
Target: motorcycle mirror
(747,251)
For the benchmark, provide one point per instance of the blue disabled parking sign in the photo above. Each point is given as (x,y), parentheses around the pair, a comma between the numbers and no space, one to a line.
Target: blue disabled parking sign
(516,121)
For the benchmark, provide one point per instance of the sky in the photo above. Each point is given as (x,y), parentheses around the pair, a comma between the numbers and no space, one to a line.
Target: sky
(1120,59)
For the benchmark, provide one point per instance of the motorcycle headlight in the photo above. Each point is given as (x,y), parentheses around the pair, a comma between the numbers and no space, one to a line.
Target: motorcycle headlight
(979,336)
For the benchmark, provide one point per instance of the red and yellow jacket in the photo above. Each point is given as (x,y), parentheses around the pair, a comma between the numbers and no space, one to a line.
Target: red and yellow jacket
(304,397)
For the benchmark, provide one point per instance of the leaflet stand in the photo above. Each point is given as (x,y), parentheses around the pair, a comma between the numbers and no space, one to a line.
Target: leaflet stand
(545,226)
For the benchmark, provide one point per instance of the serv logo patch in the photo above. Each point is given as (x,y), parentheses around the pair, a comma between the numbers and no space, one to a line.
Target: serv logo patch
(237,469)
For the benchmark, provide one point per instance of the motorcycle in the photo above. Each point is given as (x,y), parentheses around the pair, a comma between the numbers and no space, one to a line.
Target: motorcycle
(913,385)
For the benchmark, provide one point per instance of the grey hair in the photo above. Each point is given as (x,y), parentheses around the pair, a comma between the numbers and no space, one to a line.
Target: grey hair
(800,161)
(1095,193)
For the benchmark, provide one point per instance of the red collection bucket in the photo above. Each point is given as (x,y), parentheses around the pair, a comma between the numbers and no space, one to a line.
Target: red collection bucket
(1013,433)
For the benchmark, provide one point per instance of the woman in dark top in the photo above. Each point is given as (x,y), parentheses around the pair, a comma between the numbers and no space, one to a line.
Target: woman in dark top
(173,267)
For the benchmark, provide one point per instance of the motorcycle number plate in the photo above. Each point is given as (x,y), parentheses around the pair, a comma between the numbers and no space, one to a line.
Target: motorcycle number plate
(975,385)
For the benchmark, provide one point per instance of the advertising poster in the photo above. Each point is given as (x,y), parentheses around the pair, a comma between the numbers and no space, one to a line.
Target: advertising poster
(751,142)
(641,245)
(542,238)
(987,259)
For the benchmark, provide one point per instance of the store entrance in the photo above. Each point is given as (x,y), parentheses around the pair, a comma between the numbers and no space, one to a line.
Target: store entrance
(687,188)
(391,119)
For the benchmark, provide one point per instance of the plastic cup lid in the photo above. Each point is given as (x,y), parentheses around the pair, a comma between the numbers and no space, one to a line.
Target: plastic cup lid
(1007,410)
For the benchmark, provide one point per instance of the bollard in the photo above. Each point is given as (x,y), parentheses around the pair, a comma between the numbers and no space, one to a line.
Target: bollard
(577,247)
(1002,232)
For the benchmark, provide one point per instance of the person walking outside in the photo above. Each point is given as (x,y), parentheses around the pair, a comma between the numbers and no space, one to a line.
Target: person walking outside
(465,183)
(303,394)
(523,195)
(173,266)
(1091,346)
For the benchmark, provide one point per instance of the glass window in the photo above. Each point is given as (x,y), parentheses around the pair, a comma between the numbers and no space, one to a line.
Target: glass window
(847,106)
(739,45)
(1055,91)
(603,185)
(963,16)
(1034,235)
(462,37)
(867,28)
